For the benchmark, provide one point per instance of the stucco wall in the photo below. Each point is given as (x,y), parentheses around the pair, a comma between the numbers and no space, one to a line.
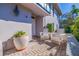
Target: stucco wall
(51,19)
(9,23)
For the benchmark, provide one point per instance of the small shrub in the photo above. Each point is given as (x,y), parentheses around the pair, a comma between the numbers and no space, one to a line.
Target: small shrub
(19,34)
(75,29)
(67,29)
(76,33)
(72,28)
(50,27)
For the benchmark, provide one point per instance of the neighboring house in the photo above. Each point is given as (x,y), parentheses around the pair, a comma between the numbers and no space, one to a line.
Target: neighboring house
(29,17)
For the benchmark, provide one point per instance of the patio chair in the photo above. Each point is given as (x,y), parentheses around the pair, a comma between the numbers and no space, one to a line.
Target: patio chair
(44,35)
(63,39)
(56,40)
(59,39)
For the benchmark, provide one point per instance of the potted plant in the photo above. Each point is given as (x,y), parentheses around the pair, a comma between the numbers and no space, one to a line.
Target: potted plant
(20,40)
(50,28)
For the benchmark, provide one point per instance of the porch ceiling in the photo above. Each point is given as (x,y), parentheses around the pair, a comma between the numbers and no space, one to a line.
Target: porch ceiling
(56,7)
(35,9)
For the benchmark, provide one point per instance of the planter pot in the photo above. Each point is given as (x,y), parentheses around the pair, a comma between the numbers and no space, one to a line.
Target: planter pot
(1,49)
(21,43)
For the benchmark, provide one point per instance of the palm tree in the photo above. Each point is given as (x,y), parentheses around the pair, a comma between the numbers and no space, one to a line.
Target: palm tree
(67,15)
(74,11)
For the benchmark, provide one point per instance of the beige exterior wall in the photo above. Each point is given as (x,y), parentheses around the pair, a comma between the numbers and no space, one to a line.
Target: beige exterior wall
(8,29)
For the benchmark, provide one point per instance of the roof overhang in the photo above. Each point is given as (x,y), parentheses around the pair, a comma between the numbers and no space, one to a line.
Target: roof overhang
(55,5)
(35,9)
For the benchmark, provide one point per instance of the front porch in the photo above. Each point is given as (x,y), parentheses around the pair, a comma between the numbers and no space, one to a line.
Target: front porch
(39,47)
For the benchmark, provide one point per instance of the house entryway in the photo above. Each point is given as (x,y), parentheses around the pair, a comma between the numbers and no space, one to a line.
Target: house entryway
(33,27)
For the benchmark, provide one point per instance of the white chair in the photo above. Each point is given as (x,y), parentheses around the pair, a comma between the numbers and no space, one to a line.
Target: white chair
(1,49)
(63,38)
(44,35)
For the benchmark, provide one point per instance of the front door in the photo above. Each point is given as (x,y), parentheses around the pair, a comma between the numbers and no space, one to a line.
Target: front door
(33,27)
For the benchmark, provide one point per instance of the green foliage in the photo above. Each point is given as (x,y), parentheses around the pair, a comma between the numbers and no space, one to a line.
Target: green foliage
(19,34)
(67,25)
(72,27)
(70,21)
(67,29)
(71,24)
(77,22)
(74,10)
(67,22)
(76,33)
(75,28)
(50,27)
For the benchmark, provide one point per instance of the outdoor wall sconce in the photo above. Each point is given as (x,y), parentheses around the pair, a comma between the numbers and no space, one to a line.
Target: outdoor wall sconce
(26,16)
(32,17)
(45,27)
(16,11)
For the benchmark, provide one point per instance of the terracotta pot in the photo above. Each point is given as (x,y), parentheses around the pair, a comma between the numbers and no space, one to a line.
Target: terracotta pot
(21,43)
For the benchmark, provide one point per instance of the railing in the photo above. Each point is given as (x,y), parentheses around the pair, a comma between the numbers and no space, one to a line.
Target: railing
(45,7)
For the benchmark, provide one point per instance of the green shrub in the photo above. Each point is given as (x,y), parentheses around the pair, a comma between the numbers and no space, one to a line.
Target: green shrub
(76,33)
(19,34)
(75,29)
(72,28)
(50,27)
(67,29)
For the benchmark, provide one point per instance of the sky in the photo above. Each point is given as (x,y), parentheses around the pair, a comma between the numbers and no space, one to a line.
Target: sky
(66,7)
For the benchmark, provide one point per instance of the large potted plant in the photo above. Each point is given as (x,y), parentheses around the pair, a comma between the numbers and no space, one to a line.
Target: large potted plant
(20,40)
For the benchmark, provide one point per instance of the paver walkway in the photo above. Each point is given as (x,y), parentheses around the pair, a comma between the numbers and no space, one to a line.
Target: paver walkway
(39,48)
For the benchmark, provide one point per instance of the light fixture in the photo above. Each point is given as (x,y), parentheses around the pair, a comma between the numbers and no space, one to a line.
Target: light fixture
(16,11)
